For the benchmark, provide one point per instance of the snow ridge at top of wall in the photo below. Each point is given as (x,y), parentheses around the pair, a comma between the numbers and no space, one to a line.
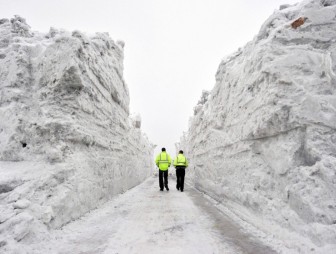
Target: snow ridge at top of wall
(264,138)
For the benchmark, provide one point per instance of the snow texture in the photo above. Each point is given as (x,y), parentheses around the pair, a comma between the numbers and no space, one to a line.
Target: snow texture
(145,220)
(263,141)
(67,143)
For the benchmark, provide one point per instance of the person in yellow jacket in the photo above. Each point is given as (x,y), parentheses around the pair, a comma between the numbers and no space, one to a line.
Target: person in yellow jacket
(163,162)
(180,163)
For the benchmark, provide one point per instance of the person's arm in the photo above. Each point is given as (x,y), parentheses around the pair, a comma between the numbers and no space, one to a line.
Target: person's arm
(169,160)
(175,162)
(186,162)
(157,160)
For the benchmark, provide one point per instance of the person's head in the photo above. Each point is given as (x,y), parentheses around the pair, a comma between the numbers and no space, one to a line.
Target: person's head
(181,152)
(163,149)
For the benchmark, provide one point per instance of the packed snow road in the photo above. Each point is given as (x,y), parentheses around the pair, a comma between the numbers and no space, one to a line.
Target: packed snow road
(145,220)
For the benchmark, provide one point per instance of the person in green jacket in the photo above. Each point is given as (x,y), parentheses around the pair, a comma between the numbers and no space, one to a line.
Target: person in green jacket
(180,163)
(163,162)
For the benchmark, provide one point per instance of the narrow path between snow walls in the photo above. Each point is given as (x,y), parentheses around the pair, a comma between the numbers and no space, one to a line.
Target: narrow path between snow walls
(67,143)
(145,220)
(263,141)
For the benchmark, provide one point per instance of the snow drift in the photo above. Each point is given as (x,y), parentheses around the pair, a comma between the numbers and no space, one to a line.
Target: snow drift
(263,141)
(67,143)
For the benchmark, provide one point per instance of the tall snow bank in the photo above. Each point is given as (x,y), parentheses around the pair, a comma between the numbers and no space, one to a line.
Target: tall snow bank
(264,140)
(67,143)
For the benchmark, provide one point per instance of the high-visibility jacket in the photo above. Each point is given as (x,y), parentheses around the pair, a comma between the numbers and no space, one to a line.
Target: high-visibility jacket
(180,160)
(163,161)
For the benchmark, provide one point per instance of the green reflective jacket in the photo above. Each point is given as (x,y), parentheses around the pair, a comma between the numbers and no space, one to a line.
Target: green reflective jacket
(163,161)
(180,160)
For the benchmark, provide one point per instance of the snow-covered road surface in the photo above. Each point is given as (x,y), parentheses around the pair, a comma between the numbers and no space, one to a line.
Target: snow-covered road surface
(145,220)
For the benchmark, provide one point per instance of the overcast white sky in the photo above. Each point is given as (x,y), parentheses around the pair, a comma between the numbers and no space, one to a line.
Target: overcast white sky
(172,51)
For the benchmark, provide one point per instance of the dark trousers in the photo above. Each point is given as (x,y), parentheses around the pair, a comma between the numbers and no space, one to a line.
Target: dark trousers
(180,173)
(165,175)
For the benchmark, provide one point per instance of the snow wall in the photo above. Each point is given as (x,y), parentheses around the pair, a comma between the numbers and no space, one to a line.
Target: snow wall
(263,141)
(67,143)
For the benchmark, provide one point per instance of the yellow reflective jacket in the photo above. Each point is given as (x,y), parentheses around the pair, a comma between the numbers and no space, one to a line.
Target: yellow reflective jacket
(180,160)
(163,161)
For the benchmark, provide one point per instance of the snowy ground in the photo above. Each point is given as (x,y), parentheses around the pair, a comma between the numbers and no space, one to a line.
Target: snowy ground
(145,220)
